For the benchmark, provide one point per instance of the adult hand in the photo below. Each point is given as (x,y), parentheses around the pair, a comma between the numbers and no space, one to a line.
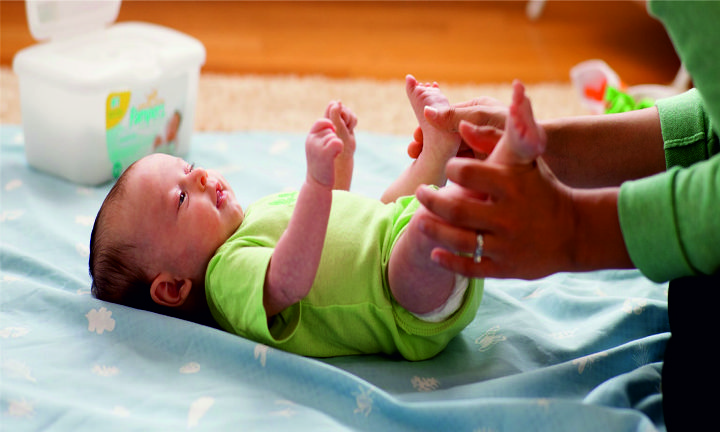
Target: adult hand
(524,214)
(532,224)
(486,112)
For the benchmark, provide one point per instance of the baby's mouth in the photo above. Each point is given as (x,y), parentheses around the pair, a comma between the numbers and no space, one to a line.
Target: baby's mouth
(220,194)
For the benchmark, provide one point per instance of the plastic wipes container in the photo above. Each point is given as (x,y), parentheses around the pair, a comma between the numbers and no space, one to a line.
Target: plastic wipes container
(97,97)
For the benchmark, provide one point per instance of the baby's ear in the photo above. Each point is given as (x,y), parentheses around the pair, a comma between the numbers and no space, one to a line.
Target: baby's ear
(169,291)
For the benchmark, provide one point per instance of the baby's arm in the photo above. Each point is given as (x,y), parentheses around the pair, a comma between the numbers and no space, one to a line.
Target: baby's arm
(296,258)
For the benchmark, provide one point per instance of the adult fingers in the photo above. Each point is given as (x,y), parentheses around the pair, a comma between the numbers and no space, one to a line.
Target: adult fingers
(464,265)
(458,207)
(480,101)
(414,149)
(418,135)
(481,139)
(479,177)
(448,236)
(479,114)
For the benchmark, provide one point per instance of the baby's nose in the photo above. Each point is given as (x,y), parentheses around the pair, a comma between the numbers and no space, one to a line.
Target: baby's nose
(202,176)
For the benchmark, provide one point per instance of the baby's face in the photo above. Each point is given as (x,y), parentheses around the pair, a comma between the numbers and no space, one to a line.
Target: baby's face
(178,214)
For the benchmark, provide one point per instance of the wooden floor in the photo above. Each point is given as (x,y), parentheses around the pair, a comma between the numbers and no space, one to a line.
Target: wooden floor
(480,42)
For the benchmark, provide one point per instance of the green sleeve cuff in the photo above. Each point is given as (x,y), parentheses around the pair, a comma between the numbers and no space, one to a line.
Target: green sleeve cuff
(670,222)
(686,130)
(647,221)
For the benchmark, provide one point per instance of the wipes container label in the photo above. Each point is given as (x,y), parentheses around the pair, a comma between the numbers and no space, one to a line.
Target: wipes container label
(140,122)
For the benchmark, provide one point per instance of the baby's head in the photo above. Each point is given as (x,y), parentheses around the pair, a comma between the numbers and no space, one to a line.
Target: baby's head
(156,232)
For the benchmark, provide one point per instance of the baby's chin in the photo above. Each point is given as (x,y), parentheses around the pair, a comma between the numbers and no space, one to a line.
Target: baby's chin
(240,215)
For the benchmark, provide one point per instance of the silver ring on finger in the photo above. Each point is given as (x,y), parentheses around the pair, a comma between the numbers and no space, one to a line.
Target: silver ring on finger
(477,255)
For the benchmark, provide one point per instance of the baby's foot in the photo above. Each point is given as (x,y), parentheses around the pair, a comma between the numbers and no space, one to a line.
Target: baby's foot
(436,143)
(523,140)
(344,121)
(322,146)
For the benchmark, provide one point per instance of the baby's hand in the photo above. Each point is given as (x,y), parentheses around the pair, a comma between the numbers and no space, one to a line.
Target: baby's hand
(322,146)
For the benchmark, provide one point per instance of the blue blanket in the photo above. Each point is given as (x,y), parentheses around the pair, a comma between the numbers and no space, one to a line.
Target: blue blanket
(572,352)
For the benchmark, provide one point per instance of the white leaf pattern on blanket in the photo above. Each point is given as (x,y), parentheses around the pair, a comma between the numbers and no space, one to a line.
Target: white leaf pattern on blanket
(16,369)
(9,215)
(564,334)
(488,339)
(121,411)
(586,361)
(198,409)
(13,332)
(20,408)
(424,384)
(279,147)
(364,401)
(634,306)
(288,410)
(84,191)
(13,184)
(100,320)
(261,353)
(82,249)
(105,371)
(190,368)
(85,220)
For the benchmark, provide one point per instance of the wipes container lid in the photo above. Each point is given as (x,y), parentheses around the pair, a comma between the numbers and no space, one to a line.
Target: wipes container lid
(55,19)
(86,51)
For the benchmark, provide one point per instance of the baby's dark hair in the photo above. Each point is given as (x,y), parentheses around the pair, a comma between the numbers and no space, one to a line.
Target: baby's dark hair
(116,274)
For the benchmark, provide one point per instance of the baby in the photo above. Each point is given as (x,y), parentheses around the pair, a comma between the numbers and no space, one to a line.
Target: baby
(320,272)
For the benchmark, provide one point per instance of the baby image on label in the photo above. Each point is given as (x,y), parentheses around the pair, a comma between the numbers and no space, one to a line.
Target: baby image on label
(140,122)
(166,141)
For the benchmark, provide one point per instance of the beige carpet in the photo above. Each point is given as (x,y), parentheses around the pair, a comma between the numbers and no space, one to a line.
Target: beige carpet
(289,103)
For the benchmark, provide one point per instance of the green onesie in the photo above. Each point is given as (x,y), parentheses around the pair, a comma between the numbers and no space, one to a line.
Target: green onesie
(349,309)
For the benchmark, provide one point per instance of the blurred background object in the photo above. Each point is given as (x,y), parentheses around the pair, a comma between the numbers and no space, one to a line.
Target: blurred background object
(455,42)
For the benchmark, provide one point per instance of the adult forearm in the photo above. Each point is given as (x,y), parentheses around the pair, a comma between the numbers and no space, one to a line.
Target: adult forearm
(598,242)
(605,150)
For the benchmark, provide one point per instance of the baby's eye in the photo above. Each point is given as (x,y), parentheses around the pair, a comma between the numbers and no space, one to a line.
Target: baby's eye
(189,168)
(181,198)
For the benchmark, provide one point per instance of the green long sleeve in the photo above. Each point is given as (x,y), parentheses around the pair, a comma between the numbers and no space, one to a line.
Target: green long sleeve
(671,221)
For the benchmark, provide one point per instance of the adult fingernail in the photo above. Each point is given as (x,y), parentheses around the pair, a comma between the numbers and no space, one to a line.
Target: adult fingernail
(431,113)
(420,190)
(435,257)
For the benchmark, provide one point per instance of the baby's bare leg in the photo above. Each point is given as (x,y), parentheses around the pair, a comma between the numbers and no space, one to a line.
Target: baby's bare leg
(523,140)
(438,145)
(418,283)
(344,122)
